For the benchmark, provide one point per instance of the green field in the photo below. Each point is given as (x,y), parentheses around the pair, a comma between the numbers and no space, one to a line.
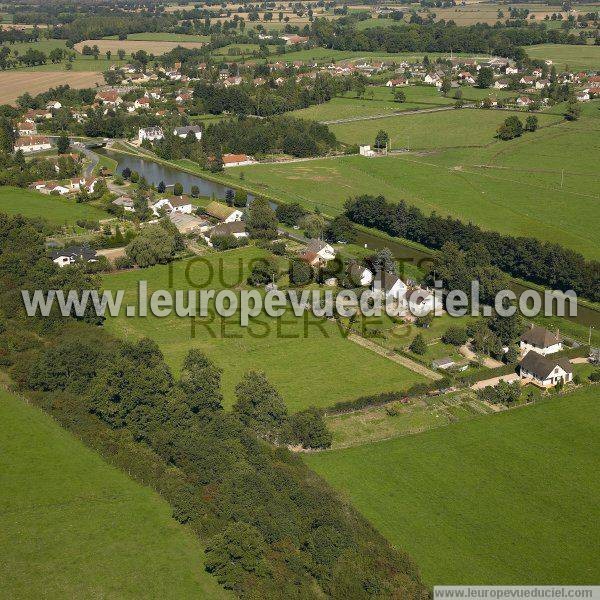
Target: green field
(75,527)
(446,129)
(55,209)
(562,55)
(343,108)
(517,187)
(509,498)
(309,362)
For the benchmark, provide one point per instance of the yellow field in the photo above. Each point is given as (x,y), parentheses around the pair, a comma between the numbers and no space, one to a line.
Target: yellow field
(14,84)
(131,46)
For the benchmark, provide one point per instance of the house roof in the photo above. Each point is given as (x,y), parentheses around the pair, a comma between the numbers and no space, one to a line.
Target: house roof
(315,246)
(541,366)
(75,252)
(386,281)
(540,337)
(179,201)
(187,129)
(228,228)
(218,210)
(31,140)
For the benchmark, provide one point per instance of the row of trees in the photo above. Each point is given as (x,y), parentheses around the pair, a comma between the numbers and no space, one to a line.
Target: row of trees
(545,263)
(273,530)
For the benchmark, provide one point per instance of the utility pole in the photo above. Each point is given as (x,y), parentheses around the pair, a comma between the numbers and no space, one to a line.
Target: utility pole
(562,178)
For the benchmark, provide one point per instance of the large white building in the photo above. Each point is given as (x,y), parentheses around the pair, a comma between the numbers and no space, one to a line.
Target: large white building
(540,340)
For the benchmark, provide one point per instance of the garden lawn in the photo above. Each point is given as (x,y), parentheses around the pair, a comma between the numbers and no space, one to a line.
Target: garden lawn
(509,498)
(74,527)
(307,359)
(55,209)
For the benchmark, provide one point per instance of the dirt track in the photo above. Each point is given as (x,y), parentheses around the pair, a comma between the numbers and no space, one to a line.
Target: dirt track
(15,83)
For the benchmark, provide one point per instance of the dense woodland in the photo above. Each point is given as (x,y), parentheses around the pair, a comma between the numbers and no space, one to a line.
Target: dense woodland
(544,263)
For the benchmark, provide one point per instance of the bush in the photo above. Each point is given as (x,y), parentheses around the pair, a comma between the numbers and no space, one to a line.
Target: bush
(456,336)
(594,376)
(308,429)
(418,345)
(227,242)
(123,262)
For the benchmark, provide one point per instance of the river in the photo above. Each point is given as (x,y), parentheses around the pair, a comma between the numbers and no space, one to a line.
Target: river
(155,173)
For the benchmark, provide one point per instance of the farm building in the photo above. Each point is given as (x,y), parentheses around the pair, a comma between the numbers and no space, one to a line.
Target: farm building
(543,371)
(540,340)
(226,214)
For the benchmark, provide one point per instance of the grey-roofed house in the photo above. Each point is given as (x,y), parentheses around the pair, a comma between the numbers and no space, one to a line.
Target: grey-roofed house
(183,132)
(540,340)
(72,254)
(389,285)
(543,371)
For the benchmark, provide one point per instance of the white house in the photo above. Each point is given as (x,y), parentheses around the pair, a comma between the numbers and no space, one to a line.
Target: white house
(26,128)
(583,96)
(142,103)
(182,132)
(222,212)
(150,133)
(53,105)
(322,249)
(422,301)
(67,256)
(366,151)
(180,204)
(543,371)
(125,202)
(501,84)
(32,143)
(511,70)
(540,340)
(360,275)
(524,101)
(390,286)
(540,84)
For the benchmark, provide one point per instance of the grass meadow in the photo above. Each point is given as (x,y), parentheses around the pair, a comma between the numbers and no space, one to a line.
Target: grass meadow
(307,359)
(54,209)
(563,55)
(73,526)
(509,498)
(517,187)
(447,129)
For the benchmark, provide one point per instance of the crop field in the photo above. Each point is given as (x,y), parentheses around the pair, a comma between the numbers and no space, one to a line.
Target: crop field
(55,209)
(576,57)
(15,83)
(74,527)
(509,498)
(516,187)
(444,129)
(307,360)
(131,46)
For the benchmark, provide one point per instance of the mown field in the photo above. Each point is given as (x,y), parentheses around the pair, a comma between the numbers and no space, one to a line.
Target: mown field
(74,527)
(54,209)
(562,55)
(517,187)
(509,498)
(445,129)
(161,36)
(15,83)
(308,360)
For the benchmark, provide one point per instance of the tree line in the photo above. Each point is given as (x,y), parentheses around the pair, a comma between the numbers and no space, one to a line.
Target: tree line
(272,528)
(545,263)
